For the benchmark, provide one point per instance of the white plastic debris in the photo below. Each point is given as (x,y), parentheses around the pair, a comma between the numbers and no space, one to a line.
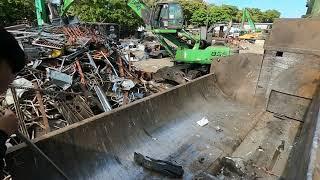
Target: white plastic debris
(260,149)
(22,82)
(127,84)
(218,129)
(203,122)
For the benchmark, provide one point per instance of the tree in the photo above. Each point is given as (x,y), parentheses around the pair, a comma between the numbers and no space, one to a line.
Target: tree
(256,14)
(200,17)
(238,18)
(231,11)
(110,11)
(213,14)
(221,14)
(192,6)
(270,15)
(13,10)
(197,12)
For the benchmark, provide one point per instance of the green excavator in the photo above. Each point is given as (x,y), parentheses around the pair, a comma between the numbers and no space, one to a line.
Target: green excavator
(192,55)
(253,32)
(48,12)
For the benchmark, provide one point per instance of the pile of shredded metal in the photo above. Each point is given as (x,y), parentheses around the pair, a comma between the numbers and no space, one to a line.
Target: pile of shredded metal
(73,73)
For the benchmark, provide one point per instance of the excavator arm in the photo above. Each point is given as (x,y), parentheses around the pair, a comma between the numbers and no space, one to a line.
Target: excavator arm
(166,22)
(141,9)
(145,13)
(41,12)
(66,6)
(43,9)
(247,16)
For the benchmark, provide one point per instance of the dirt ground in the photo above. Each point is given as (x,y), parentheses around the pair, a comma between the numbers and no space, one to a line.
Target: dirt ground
(256,48)
(153,65)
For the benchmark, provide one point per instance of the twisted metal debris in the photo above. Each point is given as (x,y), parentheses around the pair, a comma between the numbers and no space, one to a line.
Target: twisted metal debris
(73,73)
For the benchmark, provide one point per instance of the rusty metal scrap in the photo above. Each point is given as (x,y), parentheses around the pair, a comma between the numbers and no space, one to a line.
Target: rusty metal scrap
(42,108)
(47,44)
(76,73)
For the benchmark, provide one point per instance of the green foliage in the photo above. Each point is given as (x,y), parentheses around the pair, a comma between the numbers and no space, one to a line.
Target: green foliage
(231,11)
(256,14)
(195,11)
(13,10)
(220,14)
(200,17)
(270,15)
(214,14)
(109,11)
(225,13)
(192,6)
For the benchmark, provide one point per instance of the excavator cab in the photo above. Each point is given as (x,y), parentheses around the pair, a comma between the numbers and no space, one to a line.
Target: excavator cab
(167,16)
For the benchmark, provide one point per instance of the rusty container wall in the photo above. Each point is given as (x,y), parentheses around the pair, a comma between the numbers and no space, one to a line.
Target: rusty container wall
(165,127)
(295,35)
(304,163)
(235,100)
(298,40)
(162,126)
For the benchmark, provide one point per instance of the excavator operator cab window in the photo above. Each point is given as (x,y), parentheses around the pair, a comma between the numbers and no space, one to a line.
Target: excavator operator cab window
(168,16)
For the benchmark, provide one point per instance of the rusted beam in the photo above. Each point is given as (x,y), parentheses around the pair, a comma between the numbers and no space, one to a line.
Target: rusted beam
(79,69)
(126,99)
(120,65)
(42,108)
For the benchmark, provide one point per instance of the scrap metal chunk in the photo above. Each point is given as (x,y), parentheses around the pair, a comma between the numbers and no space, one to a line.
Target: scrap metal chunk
(60,79)
(164,167)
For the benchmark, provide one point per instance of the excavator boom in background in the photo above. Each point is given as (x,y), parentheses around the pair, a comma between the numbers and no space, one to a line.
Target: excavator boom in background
(48,12)
(255,117)
(253,33)
(246,16)
(193,55)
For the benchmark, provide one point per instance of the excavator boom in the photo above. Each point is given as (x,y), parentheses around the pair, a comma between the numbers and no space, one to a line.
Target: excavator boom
(66,6)
(41,12)
(43,15)
(141,9)
(247,16)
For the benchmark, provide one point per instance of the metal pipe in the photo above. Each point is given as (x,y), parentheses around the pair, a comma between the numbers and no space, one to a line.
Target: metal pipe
(114,70)
(92,62)
(36,149)
(103,99)
(22,125)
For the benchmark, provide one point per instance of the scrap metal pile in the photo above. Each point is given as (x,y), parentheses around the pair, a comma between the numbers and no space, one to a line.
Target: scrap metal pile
(73,73)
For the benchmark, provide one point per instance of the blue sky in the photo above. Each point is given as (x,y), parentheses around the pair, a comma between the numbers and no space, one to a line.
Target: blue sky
(288,8)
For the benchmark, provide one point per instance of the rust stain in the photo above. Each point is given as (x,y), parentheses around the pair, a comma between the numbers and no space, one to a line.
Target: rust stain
(311,80)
